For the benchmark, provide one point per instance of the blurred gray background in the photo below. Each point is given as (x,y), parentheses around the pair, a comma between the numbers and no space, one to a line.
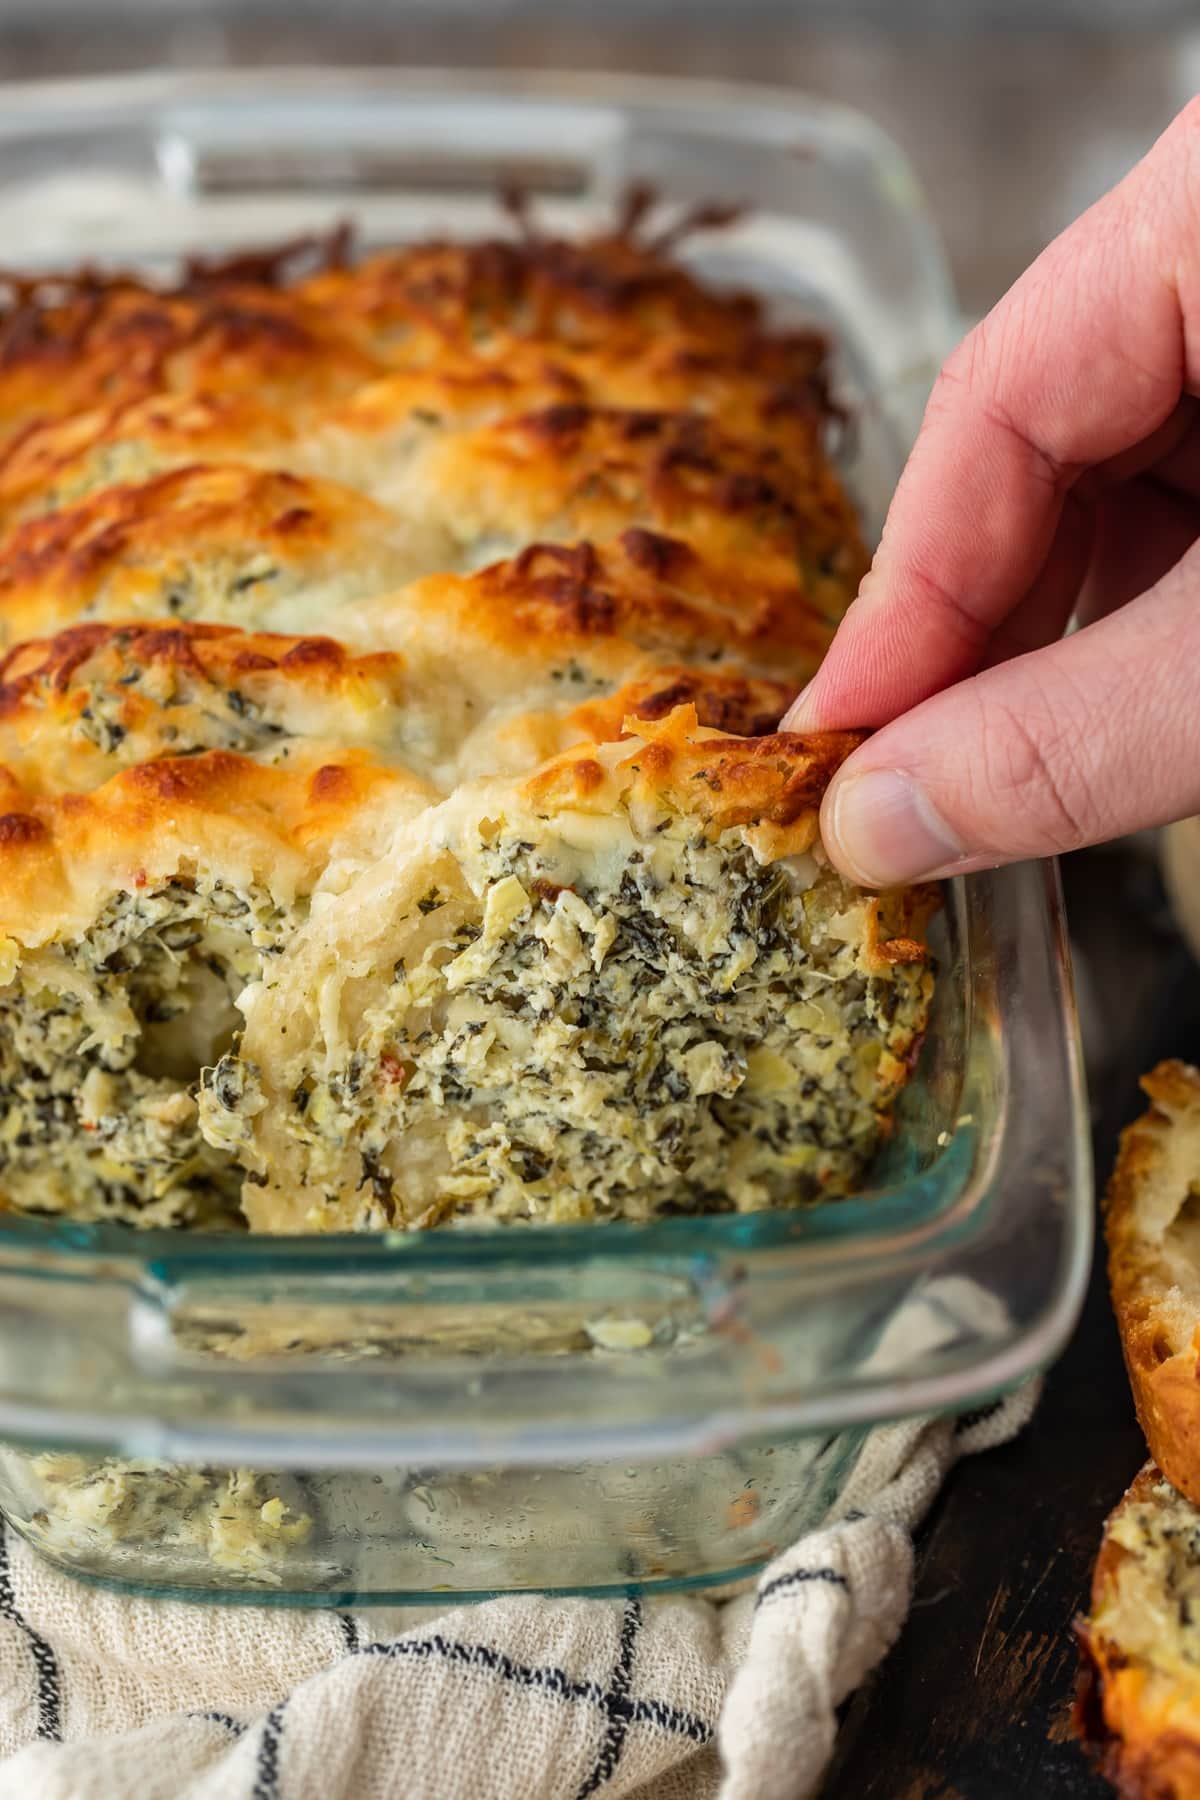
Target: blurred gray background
(1015,113)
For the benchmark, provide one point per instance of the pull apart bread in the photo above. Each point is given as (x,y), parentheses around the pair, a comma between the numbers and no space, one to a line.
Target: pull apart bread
(393,823)
(1153,1230)
(1140,1697)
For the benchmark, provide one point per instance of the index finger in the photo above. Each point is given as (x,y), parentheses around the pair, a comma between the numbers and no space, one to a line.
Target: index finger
(1086,356)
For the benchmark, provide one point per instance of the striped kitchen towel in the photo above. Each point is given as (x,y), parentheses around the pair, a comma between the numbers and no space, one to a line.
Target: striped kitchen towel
(103,1697)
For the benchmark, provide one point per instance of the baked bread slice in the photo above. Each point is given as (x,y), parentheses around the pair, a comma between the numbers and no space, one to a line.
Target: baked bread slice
(394,826)
(1139,1702)
(260,548)
(77,708)
(72,342)
(627,984)
(1153,1230)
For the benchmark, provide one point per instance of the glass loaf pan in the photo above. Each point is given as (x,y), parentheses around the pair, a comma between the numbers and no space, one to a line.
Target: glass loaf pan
(347,1420)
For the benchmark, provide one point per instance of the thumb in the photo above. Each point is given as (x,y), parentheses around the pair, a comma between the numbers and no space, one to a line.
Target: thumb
(1092,737)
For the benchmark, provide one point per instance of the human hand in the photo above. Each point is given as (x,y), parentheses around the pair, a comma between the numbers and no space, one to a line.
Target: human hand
(1057,471)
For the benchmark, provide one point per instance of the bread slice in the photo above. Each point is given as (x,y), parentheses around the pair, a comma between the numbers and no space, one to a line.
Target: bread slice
(1153,1229)
(1139,1700)
(625,984)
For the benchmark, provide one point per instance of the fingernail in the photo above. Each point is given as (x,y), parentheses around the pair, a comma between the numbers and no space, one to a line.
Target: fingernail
(793,719)
(886,831)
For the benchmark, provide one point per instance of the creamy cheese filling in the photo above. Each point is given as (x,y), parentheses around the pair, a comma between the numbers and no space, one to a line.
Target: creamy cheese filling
(1154,1605)
(209,717)
(101,1045)
(685,1029)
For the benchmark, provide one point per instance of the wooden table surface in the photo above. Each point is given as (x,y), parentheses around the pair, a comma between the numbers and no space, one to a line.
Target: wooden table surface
(974,1702)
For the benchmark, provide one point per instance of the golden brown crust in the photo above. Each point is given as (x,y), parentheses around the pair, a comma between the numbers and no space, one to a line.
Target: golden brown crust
(567,292)
(77,707)
(133,549)
(85,658)
(774,783)
(108,343)
(723,518)
(53,461)
(581,471)
(1149,1193)
(743,706)
(1141,1722)
(60,855)
(95,698)
(645,591)
(396,305)
(535,319)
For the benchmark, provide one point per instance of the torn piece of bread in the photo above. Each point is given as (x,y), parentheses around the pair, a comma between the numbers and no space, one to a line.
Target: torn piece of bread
(1153,1230)
(394,827)
(628,984)
(1139,1703)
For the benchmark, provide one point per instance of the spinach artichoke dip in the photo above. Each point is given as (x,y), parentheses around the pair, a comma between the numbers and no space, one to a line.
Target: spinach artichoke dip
(394,827)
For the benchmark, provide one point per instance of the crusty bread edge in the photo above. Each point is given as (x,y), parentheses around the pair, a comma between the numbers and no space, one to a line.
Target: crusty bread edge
(1142,1761)
(1166,1386)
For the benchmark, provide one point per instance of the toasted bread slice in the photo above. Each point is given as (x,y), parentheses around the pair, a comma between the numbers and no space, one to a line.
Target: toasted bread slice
(1139,1701)
(1153,1229)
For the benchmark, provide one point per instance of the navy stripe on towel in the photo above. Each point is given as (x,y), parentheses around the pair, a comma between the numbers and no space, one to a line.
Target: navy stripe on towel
(797,1578)
(45,1663)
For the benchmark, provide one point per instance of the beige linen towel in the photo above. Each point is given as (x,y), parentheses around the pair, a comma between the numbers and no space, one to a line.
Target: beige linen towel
(679,1698)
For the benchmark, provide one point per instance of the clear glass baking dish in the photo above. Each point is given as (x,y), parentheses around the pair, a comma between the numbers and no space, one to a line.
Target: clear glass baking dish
(583,1408)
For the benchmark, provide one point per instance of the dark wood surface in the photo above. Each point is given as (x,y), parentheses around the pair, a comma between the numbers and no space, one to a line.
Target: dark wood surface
(974,1702)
